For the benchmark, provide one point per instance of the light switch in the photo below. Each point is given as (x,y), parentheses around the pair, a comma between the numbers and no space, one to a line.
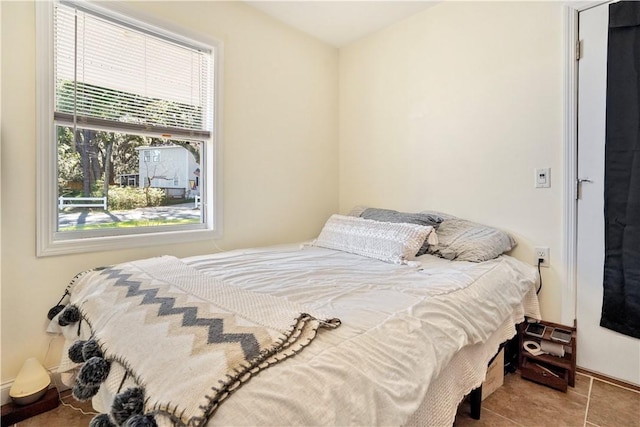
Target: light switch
(543,178)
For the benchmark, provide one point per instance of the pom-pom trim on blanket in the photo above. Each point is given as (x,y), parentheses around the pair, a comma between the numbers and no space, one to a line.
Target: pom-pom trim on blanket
(101,420)
(84,392)
(53,312)
(91,349)
(75,352)
(94,371)
(146,420)
(69,315)
(127,404)
(127,408)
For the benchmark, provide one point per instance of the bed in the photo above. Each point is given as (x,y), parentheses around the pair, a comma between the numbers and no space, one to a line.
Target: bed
(414,336)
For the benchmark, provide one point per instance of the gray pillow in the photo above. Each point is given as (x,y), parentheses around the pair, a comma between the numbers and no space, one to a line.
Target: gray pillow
(469,241)
(357,210)
(388,215)
(439,216)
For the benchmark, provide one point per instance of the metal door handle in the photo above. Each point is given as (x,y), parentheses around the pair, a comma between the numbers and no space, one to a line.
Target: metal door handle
(579,182)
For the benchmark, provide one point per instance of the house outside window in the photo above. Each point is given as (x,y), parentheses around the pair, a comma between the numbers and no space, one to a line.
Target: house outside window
(123,102)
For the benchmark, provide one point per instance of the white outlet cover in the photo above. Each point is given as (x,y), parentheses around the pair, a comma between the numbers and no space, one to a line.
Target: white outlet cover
(541,252)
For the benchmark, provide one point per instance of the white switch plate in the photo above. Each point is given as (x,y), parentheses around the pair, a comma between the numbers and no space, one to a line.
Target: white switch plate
(543,177)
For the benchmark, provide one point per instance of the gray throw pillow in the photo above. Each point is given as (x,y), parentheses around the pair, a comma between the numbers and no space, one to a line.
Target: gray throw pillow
(469,241)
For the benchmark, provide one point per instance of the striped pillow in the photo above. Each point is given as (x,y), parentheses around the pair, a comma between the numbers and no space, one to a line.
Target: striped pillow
(390,242)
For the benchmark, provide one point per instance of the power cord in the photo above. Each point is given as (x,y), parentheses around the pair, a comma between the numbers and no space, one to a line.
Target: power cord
(540,275)
(53,377)
(69,405)
(215,245)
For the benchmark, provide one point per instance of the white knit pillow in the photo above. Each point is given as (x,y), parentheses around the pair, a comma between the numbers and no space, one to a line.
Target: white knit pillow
(390,242)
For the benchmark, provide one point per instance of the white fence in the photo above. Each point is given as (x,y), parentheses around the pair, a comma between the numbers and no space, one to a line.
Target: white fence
(84,202)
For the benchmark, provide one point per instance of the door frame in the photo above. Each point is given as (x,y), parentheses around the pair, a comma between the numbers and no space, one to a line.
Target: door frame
(570,209)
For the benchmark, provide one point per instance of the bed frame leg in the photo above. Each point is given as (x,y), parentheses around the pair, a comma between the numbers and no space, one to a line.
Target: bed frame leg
(476,402)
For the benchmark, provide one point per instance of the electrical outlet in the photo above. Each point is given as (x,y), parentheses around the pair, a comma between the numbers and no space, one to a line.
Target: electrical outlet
(541,253)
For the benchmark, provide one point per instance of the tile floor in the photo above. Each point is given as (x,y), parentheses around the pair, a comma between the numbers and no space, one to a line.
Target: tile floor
(518,403)
(592,403)
(63,415)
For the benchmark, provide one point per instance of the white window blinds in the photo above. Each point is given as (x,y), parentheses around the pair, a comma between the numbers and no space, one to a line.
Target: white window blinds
(115,76)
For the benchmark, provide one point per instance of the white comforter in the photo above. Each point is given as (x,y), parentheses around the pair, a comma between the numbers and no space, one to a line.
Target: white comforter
(400,326)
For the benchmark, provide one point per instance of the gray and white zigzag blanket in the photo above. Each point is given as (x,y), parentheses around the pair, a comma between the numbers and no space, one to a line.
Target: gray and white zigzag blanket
(186,339)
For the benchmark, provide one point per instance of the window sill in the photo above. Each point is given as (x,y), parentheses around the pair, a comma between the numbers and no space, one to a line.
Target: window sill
(107,243)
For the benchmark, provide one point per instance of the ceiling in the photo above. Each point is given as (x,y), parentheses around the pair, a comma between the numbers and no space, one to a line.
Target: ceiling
(339,23)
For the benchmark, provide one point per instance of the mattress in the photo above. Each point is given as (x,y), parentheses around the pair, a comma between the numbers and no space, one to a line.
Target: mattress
(406,330)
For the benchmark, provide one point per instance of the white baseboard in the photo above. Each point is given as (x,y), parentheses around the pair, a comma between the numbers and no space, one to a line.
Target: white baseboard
(4,392)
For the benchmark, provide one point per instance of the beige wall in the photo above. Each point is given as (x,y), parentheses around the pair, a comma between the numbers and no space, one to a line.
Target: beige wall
(280,155)
(451,110)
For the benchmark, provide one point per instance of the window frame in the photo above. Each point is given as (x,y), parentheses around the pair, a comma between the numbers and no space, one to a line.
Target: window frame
(49,241)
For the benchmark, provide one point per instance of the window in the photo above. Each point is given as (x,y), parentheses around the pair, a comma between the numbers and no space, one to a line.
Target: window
(127,114)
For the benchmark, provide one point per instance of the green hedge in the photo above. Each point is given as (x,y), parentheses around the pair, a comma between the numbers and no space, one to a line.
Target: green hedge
(133,197)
